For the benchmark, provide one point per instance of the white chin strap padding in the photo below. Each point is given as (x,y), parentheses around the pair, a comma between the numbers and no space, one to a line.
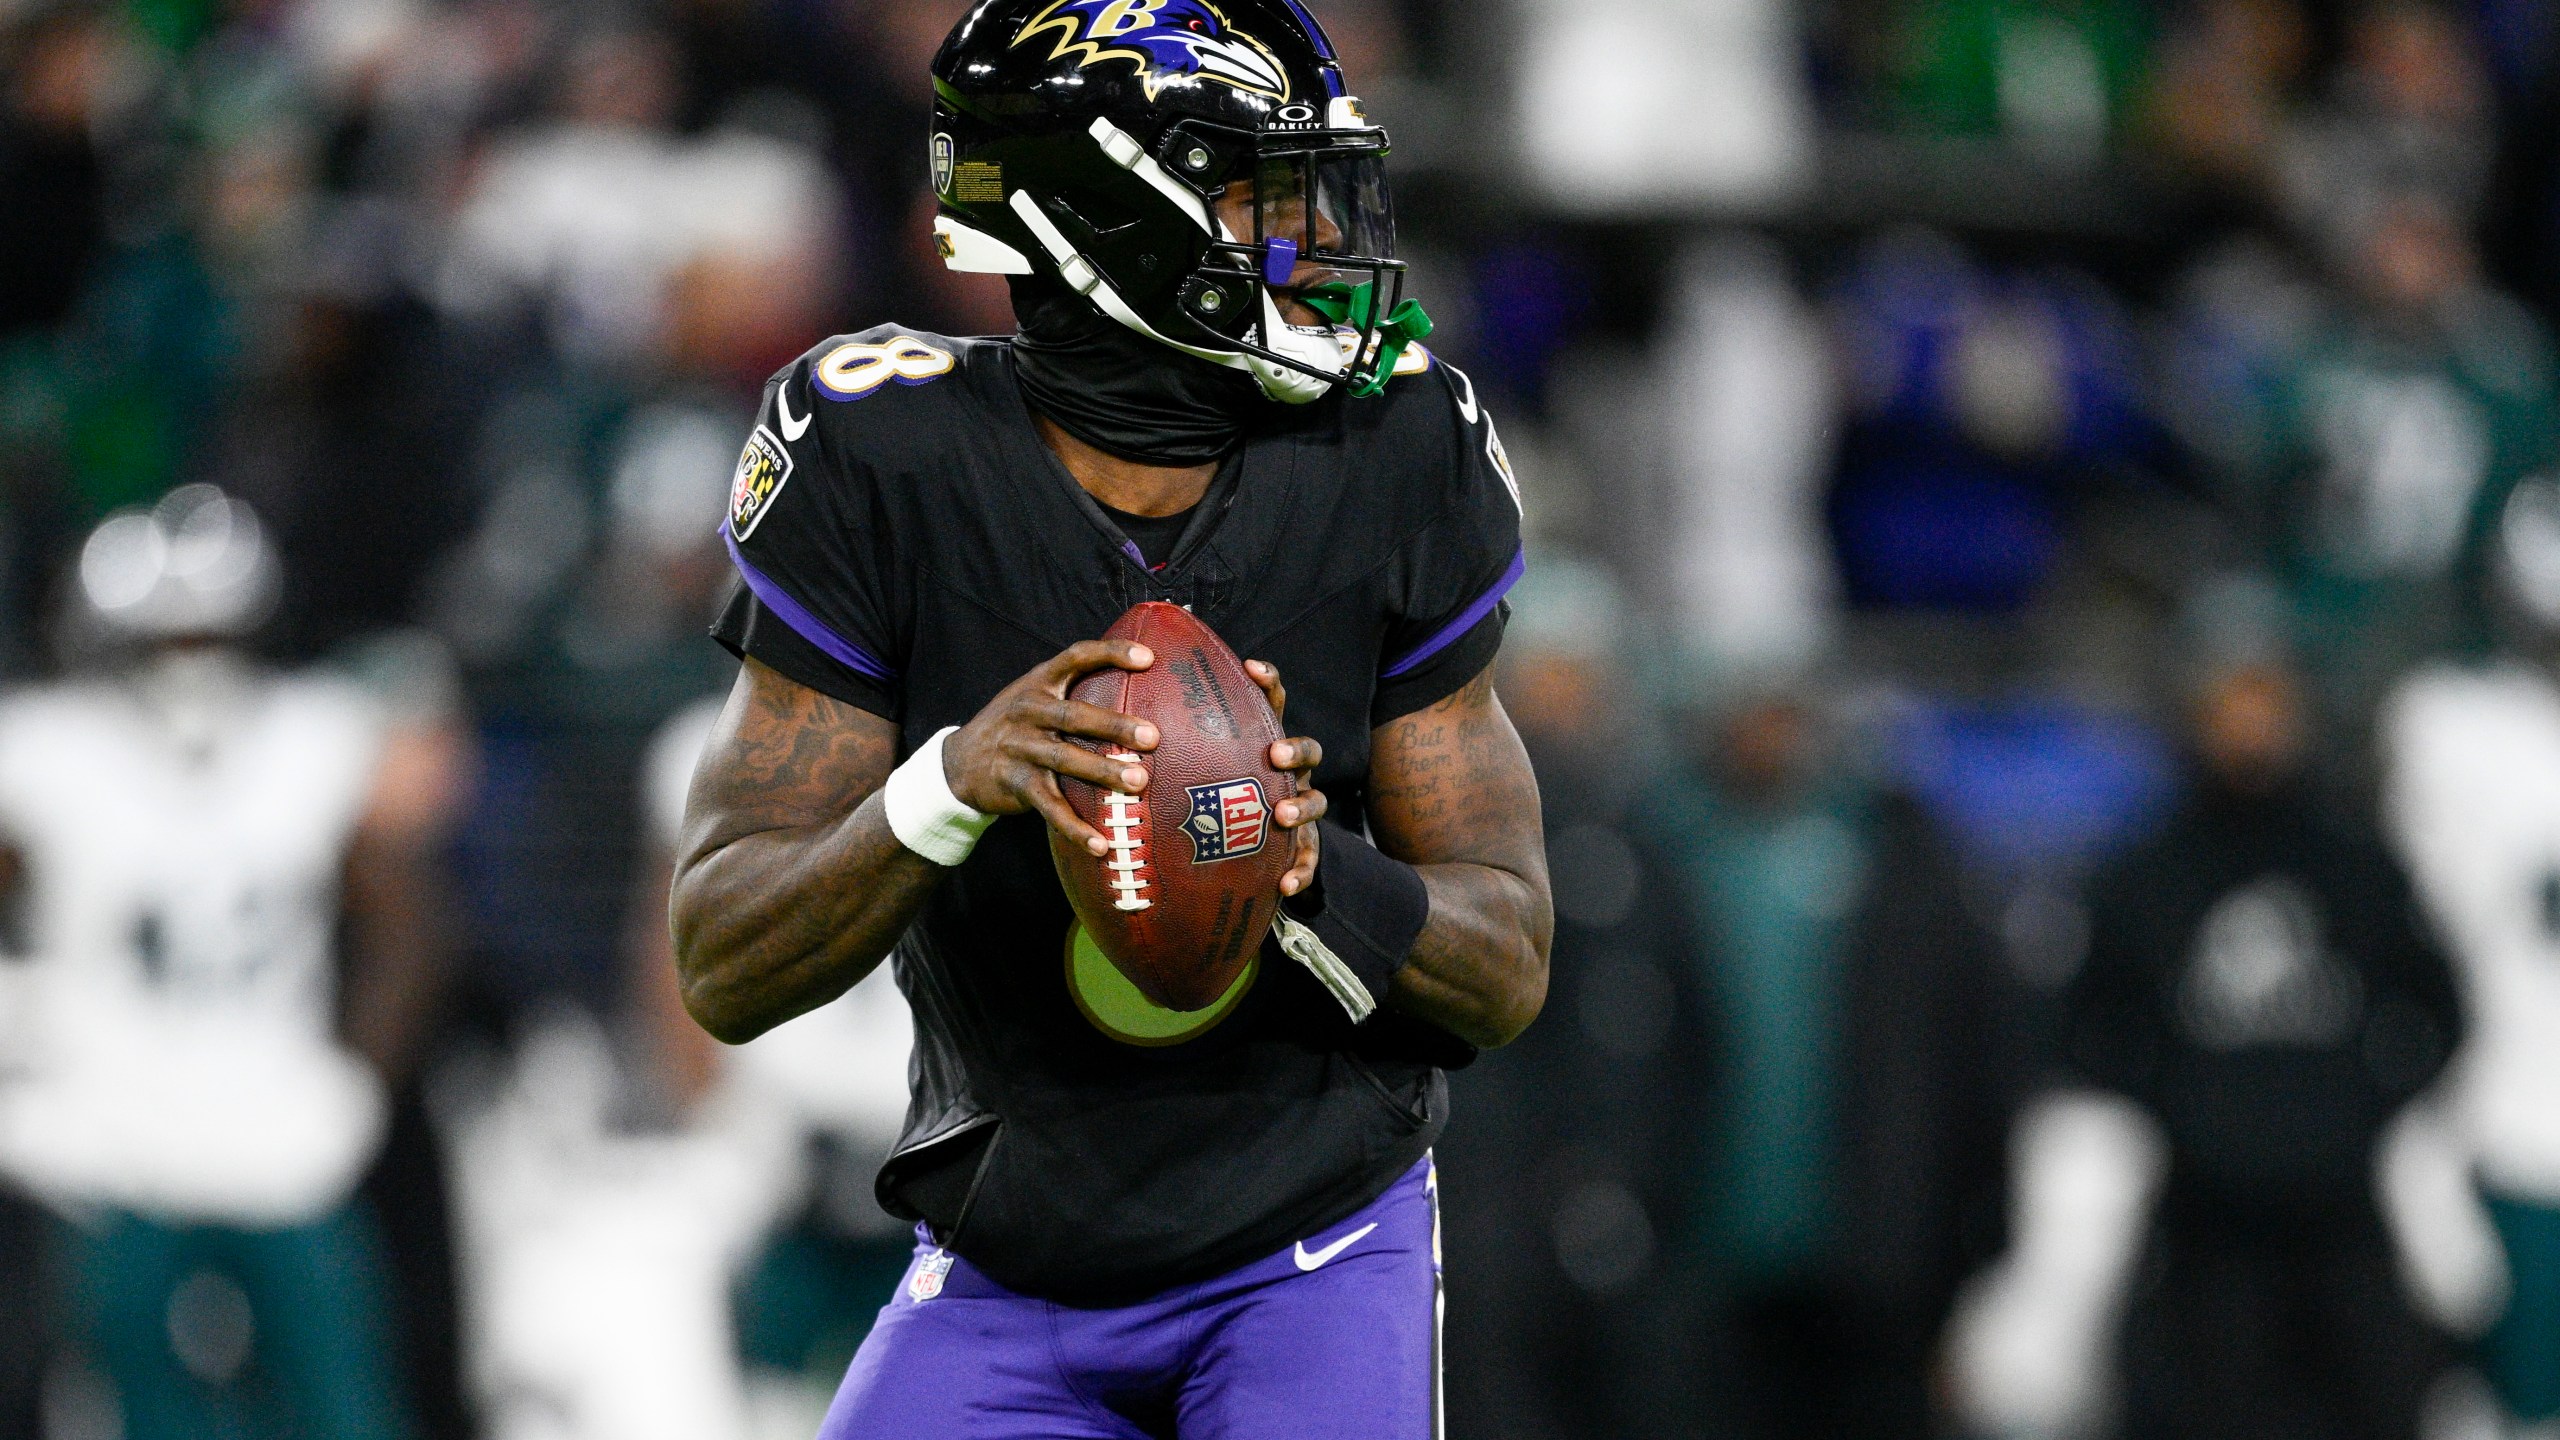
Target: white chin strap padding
(1279,382)
(1292,387)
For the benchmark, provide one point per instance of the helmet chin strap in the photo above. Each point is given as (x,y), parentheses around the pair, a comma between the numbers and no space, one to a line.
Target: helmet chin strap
(1279,382)
(1312,347)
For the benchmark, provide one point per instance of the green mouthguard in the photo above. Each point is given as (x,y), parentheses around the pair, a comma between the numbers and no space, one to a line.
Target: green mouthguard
(1351,305)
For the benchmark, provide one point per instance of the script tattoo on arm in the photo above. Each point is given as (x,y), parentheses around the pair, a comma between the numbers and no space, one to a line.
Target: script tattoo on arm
(789,884)
(1451,792)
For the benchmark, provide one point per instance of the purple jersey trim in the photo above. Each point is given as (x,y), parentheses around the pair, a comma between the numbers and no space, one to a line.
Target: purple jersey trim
(1448,634)
(797,616)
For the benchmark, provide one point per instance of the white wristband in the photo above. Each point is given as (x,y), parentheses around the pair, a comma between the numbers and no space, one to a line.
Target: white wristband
(923,813)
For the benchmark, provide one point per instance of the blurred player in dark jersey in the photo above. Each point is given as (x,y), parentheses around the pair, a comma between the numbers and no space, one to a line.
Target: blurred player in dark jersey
(1133,1220)
(2258,980)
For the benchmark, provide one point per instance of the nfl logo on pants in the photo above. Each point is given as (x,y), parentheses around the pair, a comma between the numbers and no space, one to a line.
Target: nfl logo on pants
(927,1281)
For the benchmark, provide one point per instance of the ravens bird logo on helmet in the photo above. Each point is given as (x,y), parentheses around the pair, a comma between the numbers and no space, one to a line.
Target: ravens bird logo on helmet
(1168,40)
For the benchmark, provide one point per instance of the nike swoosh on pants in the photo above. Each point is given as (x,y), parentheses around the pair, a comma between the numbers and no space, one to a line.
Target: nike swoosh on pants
(1316,1259)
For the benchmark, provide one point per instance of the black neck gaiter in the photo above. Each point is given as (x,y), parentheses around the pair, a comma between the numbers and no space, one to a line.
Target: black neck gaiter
(1119,391)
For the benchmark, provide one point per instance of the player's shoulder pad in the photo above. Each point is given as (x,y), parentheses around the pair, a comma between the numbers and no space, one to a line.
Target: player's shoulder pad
(1430,407)
(886,362)
(59,735)
(332,701)
(879,385)
(63,708)
(857,405)
(2445,707)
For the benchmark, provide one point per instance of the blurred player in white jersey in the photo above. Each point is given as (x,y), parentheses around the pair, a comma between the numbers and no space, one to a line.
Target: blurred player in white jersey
(201,1077)
(2475,801)
(622,1174)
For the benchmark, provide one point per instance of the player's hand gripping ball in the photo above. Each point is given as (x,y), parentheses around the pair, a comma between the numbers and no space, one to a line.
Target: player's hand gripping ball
(1184,892)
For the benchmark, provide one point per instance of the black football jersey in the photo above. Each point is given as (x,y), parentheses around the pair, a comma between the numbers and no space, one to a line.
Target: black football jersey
(907,544)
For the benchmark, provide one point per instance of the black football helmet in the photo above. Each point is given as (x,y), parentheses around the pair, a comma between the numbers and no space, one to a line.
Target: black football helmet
(1093,139)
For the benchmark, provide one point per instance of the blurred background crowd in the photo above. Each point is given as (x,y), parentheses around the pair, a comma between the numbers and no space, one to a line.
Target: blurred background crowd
(2039,652)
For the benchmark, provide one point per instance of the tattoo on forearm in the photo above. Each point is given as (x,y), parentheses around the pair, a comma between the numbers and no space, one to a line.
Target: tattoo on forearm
(798,753)
(790,887)
(1450,791)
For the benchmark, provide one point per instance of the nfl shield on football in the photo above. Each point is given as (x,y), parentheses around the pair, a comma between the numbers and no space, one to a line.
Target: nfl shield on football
(1180,901)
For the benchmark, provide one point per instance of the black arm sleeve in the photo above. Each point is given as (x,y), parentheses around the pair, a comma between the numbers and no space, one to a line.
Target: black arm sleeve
(1366,906)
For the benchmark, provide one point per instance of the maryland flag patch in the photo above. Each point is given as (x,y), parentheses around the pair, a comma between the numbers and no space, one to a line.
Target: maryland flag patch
(762,467)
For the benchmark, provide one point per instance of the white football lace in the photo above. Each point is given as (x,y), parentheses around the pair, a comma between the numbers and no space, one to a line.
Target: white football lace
(1121,814)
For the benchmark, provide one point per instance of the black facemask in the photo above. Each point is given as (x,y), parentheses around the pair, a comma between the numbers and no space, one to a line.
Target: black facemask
(1119,391)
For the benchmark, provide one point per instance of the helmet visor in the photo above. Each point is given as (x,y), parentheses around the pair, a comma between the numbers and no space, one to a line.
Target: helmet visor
(1327,204)
(1314,231)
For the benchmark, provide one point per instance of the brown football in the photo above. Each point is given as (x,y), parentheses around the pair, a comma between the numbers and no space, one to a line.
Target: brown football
(1182,900)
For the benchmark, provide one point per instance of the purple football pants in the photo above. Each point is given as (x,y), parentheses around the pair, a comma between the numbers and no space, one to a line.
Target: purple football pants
(1335,1338)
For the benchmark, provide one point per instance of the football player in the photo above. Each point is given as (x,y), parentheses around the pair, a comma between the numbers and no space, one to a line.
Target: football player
(1133,1221)
(192,839)
(2474,800)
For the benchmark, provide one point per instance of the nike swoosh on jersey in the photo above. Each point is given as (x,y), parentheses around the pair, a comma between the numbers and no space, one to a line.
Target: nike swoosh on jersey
(1316,1260)
(1466,402)
(792,429)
